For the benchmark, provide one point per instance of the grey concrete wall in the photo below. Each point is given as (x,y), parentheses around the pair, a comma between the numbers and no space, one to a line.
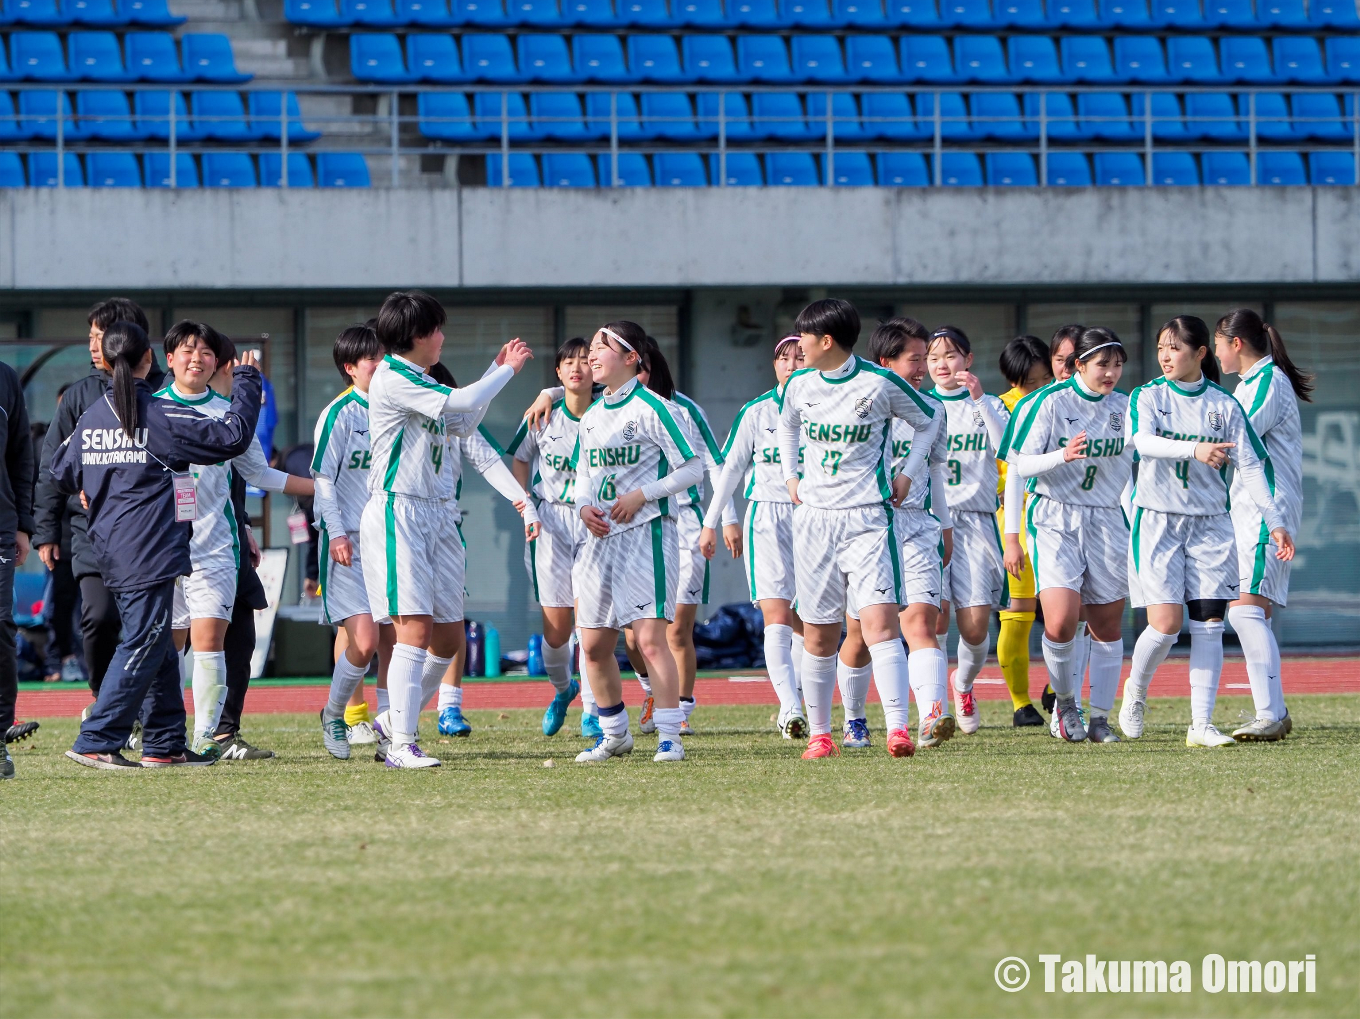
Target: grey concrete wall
(477,237)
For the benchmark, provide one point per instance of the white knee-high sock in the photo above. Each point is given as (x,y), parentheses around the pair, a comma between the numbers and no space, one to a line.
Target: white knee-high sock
(971,659)
(939,690)
(1107,659)
(589,705)
(1081,655)
(646,683)
(1206,665)
(404,675)
(1277,704)
(1058,658)
(430,675)
(345,679)
(1150,651)
(853,681)
(557,663)
(210,690)
(890,672)
(798,664)
(450,696)
(819,685)
(779,663)
(923,667)
(1253,632)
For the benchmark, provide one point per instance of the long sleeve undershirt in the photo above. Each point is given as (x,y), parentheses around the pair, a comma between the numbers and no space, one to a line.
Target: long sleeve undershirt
(691,472)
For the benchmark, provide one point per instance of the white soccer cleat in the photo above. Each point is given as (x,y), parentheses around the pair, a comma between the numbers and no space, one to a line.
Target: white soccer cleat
(1259,730)
(382,727)
(411,756)
(1131,712)
(361,734)
(669,750)
(606,747)
(333,737)
(1070,724)
(1206,735)
(793,724)
(966,710)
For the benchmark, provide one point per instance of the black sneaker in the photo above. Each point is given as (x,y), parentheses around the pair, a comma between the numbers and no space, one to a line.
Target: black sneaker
(1048,698)
(105,762)
(6,763)
(183,759)
(1027,716)
(234,748)
(20,730)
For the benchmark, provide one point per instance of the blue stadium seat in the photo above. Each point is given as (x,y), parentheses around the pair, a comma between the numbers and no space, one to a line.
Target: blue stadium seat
(1334,14)
(155,13)
(42,170)
(1168,120)
(791,169)
(523,170)
(627,116)
(1226,169)
(743,170)
(313,14)
(736,115)
(38,56)
(1273,119)
(425,13)
(221,115)
(926,58)
(96,12)
(1318,115)
(96,56)
(545,58)
(858,14)
(871,58)
(38,113)
(41,13)
(1024,14)
(1283,13)
(902,169)
(818,58)
(679,170)
(1298,58)
(890,115)
(344,170)
(447,116)
(152,110)
(1244,58)
(5,73)
(1236,14)
(299,170)
(1280,168)
(599,58)
(486,109)
(1033,58)
(265,109)
(779,115)
(208,57)
(655,58)
(753,13)
(960,170)
(156,168)
(709,58)
(1086,58)
(912,14)
(997,115)
(1119,169)
(1192,59)
(433,56)
(668,115)
(633,170)
(980,58)
(1011,169)
(954,120)
(764,58)
(1079,14)
(10,130)
(596,13)
(1331,168)
(1059,112)
(1105,115)
(488,57)
(153,56)
(534,12)
(107,116)
(228,170)
(1177,14)
(557,115)
(568,170)
(1140,58)
(1343,59)
(971,14)
(852,170)
(480,14)
(807,13)
(701,13)
(1174,169)
(1126,14)
(1069,169)
(1213,115)
(370,13)
(645,13)
(844,110)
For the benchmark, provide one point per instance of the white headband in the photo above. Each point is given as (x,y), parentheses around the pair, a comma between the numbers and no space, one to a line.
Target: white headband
(615,336)
(787,339)
(1102,346)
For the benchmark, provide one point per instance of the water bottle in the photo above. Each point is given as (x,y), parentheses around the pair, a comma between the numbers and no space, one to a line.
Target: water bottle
(476,650)
(535,662)
(493,651)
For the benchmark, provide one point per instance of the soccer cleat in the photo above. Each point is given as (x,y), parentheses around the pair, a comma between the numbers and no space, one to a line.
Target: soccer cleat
(856,733)
(821,745)
(235,748)
(1026,717)
(1259,730)
(685,728)
(6,763)
(452,722)
(646,724)
(1131,712)
(1206,735)
(411,756)
(556,712)
(1048,698)
(20,730)
(590,727)
(900,744)
(965,707)
(86,712)
(1070,726)
(105,762)
(361,734)
(793,725)
(381,725)
(669,750)
(1287,722)
(134,740)
(205,746)
(606,747)
(184,759)
(936,727)
(1099,730)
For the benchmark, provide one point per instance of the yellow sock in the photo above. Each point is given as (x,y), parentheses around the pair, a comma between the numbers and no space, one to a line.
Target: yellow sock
(1012,652)
(356,713)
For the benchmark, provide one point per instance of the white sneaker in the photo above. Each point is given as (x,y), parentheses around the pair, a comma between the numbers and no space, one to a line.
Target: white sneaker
(1206,735)
(1259,730)
(1131,712)
(382,726)
(411,756)
(669,750)
(965,709)
(606,747)
(361,733)
(792,725)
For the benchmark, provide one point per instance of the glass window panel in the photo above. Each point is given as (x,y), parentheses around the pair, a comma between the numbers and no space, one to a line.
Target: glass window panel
(989,327)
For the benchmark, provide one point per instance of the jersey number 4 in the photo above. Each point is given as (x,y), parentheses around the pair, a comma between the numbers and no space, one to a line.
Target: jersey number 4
(1183,472)
(437,456)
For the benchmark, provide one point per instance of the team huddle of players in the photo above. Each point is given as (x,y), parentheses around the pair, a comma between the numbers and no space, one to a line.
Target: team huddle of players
(884,492)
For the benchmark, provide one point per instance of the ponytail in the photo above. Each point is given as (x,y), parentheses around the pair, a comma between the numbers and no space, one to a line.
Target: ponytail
(1263,338)
(125,346)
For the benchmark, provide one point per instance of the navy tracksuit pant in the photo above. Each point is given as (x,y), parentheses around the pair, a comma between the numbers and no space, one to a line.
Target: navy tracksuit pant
(142,679)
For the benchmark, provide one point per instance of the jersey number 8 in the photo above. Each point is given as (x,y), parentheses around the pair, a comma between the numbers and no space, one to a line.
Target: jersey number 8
(1088,482)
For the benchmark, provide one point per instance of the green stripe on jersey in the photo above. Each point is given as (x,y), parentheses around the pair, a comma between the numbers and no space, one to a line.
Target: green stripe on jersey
(897,381)
(1262,388)
(413,377)
(490,439)
(1014,436)
(736,423)
(521,433)
(393,462)
(336,407)
(390,547)
(701,423)
(667,420)
(658,568)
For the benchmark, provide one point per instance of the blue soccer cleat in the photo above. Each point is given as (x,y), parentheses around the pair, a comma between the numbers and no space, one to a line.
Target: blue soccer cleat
(452,723)
(856,733)
(556,712)
(590,727)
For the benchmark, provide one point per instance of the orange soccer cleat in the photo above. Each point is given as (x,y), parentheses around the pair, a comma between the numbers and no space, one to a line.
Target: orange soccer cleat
(821,745)
(900,744)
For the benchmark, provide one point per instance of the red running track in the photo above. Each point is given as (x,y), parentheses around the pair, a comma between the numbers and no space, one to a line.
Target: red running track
(1301,675)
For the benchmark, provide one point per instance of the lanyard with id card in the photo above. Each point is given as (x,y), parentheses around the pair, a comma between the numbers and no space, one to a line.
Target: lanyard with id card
(186,498)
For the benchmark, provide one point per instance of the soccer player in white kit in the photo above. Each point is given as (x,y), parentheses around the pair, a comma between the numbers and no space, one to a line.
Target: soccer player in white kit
(1269,390)
(752,450)
(204,600)
(412,548)
(1186,429)
(632,459)
(840,411)
(1069,445)
(975,582)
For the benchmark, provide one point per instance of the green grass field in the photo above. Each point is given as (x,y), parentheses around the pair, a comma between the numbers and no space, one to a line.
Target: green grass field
(742,882)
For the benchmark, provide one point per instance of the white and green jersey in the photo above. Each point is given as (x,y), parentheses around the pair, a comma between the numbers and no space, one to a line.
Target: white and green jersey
(844,418)
(479,450)
(548,452)
(215,542)
(971,463)
(1051,419)
(341,463)
(1273,410)
(626,441)
(702,440)
(904,437)
(754,442)
(1199,412)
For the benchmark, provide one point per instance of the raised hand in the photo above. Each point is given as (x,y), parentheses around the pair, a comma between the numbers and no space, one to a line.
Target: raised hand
(1075,448)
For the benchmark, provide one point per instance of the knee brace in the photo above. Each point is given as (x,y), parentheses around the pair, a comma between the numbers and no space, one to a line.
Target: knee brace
(1202,610)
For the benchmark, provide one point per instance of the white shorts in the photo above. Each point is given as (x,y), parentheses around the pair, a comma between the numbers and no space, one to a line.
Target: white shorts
(918,531)
(628,575)
(692,586)
(1080,548)
(1175,558)
(342,587)
(1258,571)
(414,561)
(769,551)
(846,559)
(549,558)
(976,574)
(204,594)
